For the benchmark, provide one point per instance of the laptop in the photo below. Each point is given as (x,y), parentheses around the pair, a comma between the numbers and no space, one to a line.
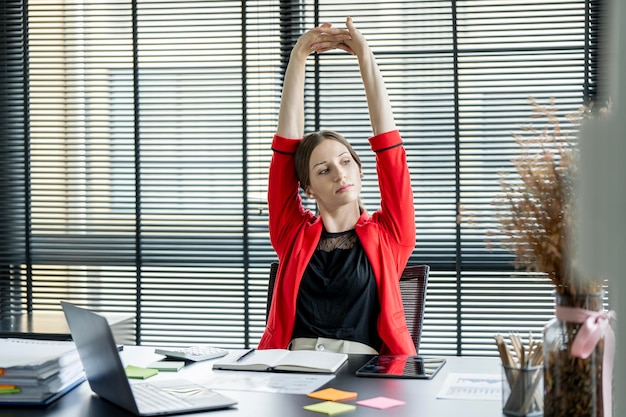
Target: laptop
(105,372)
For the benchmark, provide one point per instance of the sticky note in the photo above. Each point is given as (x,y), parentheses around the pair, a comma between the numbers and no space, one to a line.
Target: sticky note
(381,402)
(330,407)
(332,394)
(139,373)
(9,389)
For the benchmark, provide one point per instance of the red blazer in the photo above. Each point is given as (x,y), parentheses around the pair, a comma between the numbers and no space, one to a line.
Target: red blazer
(387,236)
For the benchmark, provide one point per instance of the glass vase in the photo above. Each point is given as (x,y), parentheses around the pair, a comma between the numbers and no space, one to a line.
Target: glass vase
(572,385)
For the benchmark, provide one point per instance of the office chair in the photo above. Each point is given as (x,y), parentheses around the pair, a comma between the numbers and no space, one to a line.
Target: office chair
(413,284)
(270,288)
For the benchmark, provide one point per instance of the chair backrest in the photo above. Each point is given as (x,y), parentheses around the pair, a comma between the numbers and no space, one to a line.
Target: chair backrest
(413,284)
(270,287)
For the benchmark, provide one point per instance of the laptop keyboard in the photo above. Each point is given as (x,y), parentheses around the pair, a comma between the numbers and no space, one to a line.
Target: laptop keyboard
(150,398)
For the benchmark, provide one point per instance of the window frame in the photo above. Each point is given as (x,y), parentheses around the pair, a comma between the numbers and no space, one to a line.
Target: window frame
(458,278)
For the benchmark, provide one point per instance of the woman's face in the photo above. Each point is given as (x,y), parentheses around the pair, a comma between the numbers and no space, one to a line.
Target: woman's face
(335,177)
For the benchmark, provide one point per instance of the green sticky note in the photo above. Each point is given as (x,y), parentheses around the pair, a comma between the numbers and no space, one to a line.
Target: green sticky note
(139,373)
(330,407)
(10,390)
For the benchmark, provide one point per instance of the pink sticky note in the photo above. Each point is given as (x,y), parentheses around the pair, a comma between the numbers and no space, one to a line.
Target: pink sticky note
(380,402)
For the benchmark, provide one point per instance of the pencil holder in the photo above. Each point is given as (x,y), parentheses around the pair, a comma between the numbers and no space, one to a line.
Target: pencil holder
(522,391)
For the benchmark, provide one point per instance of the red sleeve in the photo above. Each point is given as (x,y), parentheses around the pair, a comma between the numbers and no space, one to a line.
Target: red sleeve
(397,211)
(286,213)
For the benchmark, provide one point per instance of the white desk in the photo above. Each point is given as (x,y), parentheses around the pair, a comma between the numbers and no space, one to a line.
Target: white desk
(419,395)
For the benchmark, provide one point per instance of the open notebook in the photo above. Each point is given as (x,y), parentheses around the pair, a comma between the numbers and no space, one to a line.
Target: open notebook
(283,360)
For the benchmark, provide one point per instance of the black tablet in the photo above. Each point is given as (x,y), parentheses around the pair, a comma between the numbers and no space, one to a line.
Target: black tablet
(401,366)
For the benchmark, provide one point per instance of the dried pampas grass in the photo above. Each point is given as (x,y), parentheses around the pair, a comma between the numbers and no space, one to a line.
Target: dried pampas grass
(535,207)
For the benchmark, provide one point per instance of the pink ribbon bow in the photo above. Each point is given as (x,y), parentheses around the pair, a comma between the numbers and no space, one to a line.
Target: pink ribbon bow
(594,324)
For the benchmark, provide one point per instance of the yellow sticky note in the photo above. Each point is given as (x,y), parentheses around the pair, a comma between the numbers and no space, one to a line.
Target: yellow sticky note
(139,373)
(330,407)
(332,394)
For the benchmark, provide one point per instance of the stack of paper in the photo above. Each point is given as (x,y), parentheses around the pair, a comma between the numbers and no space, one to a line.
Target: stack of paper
(37,371)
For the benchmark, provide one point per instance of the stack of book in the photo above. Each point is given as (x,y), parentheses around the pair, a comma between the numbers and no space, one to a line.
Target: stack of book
(37,372)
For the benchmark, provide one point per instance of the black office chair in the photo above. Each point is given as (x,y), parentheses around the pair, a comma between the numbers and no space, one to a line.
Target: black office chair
(413,283)
(270,288)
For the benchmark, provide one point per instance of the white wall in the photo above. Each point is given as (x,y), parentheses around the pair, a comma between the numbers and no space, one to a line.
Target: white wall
(602,210)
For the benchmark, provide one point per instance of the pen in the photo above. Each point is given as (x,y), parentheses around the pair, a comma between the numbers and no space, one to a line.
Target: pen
(239,359)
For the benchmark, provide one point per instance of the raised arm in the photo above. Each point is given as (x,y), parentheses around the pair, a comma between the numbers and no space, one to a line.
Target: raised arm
(285,206)
(291,114)
(378,103)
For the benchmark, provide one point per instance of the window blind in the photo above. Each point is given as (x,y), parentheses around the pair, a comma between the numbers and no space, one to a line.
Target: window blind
(139,139)
(147,120)
(460,75)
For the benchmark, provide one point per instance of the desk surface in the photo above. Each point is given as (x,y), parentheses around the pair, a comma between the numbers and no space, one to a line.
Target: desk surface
(419,395)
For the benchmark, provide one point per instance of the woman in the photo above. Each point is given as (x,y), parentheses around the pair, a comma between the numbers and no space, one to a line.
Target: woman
(337,283)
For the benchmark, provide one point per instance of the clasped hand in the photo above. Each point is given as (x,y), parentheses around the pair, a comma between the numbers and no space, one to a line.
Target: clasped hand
(326,38)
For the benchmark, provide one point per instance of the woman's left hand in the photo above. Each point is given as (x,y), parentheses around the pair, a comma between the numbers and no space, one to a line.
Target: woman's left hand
(357,42)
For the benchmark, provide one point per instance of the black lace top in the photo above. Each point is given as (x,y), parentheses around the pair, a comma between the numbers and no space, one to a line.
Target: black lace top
(338,296)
